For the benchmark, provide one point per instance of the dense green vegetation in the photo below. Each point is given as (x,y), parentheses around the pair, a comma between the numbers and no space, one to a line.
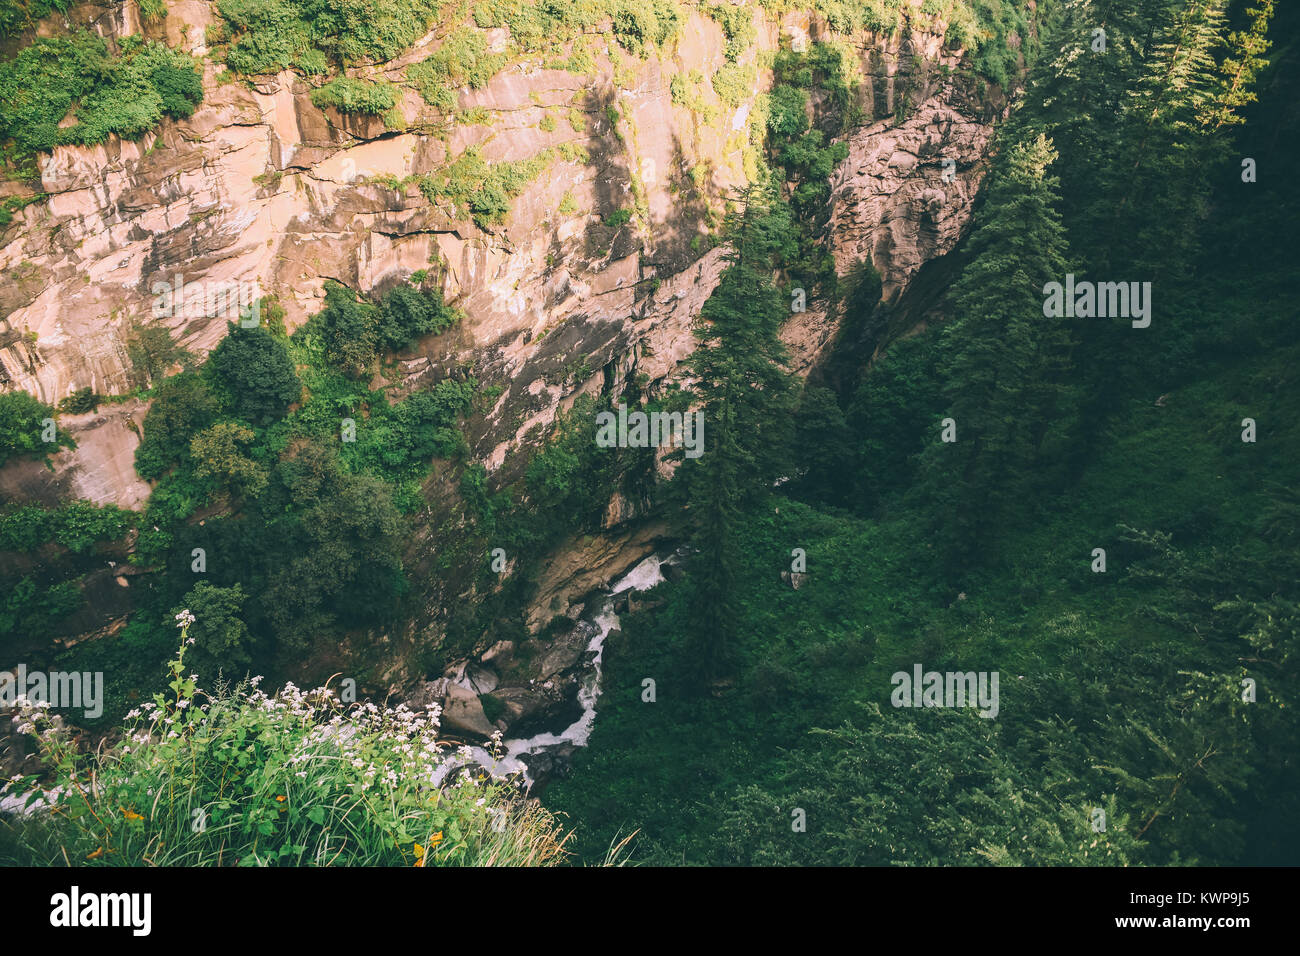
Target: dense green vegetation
(281,483)
(266,36)
(16,15)
(1068,503)
(805,154)
(124,93)
(348,95)
(27,428)
(1127,689)
(461,60)
(40,594)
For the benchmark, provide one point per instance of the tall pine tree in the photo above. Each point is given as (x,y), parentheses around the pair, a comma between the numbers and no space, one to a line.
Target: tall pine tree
(1002,361)
(747,398)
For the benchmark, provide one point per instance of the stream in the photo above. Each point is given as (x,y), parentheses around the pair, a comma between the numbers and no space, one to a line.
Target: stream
(598,623)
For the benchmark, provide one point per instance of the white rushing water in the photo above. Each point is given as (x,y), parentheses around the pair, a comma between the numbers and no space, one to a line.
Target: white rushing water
(641,578)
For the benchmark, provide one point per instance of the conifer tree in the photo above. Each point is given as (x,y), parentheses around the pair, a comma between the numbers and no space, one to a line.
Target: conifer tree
(746,396)
(1002,361)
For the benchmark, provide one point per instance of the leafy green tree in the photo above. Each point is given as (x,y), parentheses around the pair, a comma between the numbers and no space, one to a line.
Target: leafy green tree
(81,401)
(252,371)
(894,411)
(152,352)
(407,313)
(182,406)
(350,332)
(24,423)
(338,561)
(218,454)
(356,331)
(221,641)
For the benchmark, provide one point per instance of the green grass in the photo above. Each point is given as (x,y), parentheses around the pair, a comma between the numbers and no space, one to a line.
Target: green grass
(291,779)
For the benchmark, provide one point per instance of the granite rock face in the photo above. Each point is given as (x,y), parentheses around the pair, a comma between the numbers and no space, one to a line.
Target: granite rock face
(262,192)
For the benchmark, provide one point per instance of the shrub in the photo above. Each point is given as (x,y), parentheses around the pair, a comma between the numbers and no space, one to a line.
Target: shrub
(24,424)
(349,95)
(787,114)
(221,639)
(638,23)
(462,60)
(354,331)
(481,190)
(152,352)
(306,35)
(76,526)
(27,608)
(349,331)
(407,313)
(733,83)
(81,401)
(737,26)
(400,440)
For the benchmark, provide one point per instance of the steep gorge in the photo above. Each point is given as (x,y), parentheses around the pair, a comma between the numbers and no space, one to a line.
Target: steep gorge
(263,188)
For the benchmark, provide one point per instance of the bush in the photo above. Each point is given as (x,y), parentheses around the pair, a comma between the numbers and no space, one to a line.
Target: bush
(355,331)
(787,114)
(77,526)
(737,26)
(400,440)
(81,401)
(221,639)
(293,779)
(306,35)
(481,190)
(16,15)
(733,83)
(27,608)
(348,95)
(25,422)
(638,23)
(407,313)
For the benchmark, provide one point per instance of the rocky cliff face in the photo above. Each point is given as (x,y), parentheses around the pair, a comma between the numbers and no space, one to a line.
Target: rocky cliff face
(263,190)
